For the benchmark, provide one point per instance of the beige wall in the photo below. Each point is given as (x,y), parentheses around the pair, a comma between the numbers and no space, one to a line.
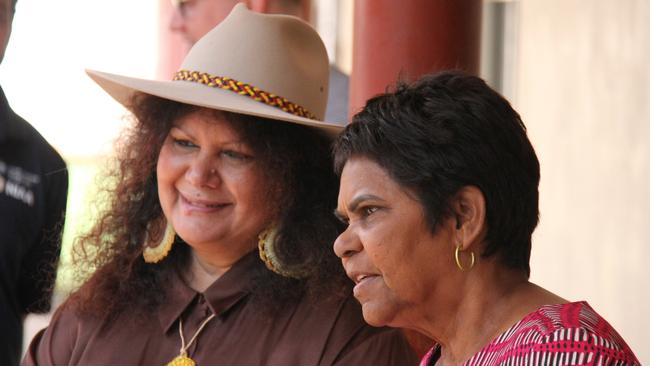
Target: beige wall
(583,89)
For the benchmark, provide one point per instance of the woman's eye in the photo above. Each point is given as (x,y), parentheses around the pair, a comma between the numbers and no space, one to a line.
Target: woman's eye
(183,143)
(368,210)
(235,155)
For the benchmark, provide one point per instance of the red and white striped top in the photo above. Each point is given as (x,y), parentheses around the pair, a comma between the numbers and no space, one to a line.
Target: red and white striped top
(563,334)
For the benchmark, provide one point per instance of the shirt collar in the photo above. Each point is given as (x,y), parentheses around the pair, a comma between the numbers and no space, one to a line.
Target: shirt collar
(221,296)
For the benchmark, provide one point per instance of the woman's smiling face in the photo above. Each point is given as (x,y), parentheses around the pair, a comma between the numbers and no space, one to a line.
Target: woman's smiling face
(388,249)
(212,188)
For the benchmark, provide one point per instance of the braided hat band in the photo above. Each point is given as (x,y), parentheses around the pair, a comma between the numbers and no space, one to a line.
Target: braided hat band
(244,89)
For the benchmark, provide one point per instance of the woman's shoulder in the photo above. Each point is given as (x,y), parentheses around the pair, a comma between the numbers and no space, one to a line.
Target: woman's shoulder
(562,320)
(52,345)
(77,335)
(573,330)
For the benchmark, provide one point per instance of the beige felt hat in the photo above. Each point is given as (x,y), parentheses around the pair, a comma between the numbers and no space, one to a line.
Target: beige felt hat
(272,66)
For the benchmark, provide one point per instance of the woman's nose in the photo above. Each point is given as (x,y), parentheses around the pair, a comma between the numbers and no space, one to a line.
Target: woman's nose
(347,244)
(202,173)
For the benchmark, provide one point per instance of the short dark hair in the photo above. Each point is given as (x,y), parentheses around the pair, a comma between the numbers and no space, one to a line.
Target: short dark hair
(447,131)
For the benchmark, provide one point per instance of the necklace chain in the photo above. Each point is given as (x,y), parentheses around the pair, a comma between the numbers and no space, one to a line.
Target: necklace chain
(196,334)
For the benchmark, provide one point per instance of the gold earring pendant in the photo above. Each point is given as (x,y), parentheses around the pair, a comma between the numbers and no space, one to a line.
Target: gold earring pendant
(457,257)
(154,254)
(266,246)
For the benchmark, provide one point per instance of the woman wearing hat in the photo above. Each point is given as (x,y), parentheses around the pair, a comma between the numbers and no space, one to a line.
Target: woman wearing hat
(448,158)
(215,247)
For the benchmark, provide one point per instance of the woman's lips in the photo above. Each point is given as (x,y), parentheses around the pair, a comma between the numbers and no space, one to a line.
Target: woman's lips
(203,206)
(360,277)
(363,282)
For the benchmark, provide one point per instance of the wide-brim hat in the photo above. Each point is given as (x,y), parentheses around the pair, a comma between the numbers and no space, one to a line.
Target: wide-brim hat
(271,66)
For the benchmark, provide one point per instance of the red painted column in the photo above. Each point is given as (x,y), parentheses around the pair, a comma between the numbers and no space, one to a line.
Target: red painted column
(404,40)
(408,38)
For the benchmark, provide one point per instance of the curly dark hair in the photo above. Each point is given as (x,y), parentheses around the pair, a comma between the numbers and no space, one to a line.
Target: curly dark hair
(447,131)
(295,158)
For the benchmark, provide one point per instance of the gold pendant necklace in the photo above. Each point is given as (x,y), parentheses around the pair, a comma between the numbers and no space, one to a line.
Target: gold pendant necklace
(183,359)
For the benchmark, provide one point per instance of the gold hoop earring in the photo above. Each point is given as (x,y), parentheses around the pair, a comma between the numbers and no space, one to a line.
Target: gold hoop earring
(457,257)
(154,254)
(266,246)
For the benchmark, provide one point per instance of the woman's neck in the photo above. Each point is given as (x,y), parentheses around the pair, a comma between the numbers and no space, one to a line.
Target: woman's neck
(487,301)
(204,270)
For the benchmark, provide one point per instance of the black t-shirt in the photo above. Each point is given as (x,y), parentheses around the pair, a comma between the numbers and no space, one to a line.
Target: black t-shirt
(33,194)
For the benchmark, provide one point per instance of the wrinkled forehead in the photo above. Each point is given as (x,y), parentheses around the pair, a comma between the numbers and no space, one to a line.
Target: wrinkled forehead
(361,175)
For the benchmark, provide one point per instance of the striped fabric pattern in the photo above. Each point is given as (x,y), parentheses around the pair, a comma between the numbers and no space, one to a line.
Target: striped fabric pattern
(563,334)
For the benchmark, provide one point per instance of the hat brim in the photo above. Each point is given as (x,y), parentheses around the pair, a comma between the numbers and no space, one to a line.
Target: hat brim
(122,88)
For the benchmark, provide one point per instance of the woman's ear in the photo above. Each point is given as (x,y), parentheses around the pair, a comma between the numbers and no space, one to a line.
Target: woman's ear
(469,211)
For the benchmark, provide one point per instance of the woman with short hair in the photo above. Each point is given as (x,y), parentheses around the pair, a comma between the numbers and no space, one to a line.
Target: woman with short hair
(439,193)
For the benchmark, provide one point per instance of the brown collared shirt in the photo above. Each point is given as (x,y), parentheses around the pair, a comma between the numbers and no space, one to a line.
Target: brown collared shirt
(328,332)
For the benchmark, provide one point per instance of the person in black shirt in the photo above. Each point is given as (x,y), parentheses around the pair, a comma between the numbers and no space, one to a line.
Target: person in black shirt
(33,193)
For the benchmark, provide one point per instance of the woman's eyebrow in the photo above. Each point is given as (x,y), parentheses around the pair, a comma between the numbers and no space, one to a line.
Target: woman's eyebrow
(352,206)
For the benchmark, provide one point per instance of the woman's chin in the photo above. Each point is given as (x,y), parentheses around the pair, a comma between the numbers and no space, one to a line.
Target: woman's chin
(197,234)
(195,241)
(378,315)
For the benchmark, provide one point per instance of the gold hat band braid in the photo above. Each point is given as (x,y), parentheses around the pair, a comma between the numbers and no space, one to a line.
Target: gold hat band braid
(241,88)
